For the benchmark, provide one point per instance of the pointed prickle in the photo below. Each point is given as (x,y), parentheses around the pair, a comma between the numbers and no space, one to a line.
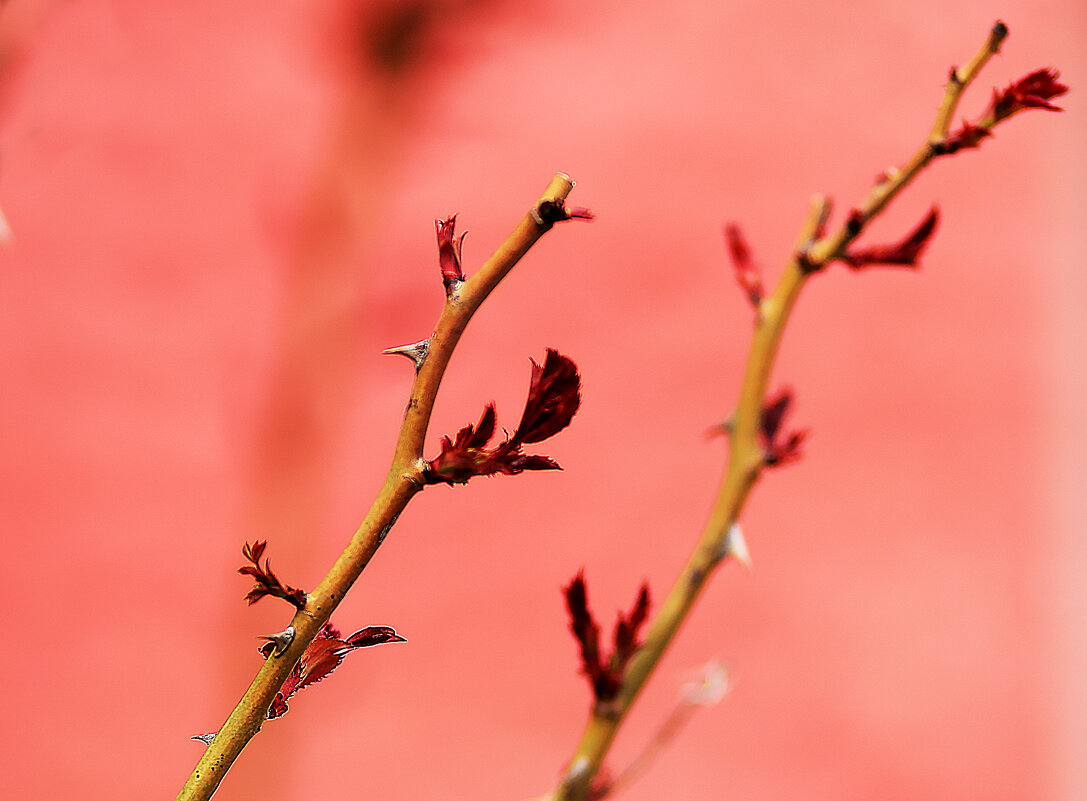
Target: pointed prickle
(711,685)
(417,352)
(204,738)
(280,641)
(735,546)
(722,429)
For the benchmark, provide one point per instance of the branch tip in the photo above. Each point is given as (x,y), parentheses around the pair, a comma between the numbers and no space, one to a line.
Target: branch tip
(548,212)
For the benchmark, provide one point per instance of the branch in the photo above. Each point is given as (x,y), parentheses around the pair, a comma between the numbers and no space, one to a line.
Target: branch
(404,480)
(754,426)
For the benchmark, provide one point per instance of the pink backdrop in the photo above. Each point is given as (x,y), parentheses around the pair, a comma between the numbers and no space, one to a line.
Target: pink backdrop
(221,214)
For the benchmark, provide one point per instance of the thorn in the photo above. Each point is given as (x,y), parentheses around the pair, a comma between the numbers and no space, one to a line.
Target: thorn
(709,687)
(722,429)
(417,352)
(205,738)
(735,546)
(281,641)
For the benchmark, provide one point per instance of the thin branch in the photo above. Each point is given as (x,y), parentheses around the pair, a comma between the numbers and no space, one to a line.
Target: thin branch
(402,483)
(747,458)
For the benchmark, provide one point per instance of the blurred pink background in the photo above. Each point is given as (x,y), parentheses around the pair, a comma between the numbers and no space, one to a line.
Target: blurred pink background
(220,214)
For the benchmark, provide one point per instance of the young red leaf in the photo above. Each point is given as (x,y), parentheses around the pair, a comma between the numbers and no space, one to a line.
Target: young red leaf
(323,655)
(743,266)
(605,676)
(904,253)
(449,252)
(626,631)
(584,627)
(553,400)
(778,450)
(265,581)
(1033,91)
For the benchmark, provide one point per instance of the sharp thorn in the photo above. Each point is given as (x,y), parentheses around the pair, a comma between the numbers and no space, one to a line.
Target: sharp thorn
(280,641)
(417,352)
(735,546)
(709,687)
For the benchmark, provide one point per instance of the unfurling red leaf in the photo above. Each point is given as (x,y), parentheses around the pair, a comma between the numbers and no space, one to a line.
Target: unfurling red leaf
(778,450)
(904,253)
(743,266)
(553,400)
(627,628)
(323,655)
(449,252)
(266,583)
(605,675)
(1033,91)
(583,626)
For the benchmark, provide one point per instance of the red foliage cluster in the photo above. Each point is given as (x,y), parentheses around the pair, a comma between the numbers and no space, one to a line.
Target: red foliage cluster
(553,398)
(323,655)
(265,581)
(743,266)
(605,676)
(778,451)
(1033,91)
(904,253)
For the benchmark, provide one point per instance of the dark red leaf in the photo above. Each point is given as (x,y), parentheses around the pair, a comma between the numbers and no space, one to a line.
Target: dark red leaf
(369,637)
(583,625)
(743,266)
(266,583)
(904,253)
(553,399)
(1033,91)
(530,462)
(323,655)
(778,450)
